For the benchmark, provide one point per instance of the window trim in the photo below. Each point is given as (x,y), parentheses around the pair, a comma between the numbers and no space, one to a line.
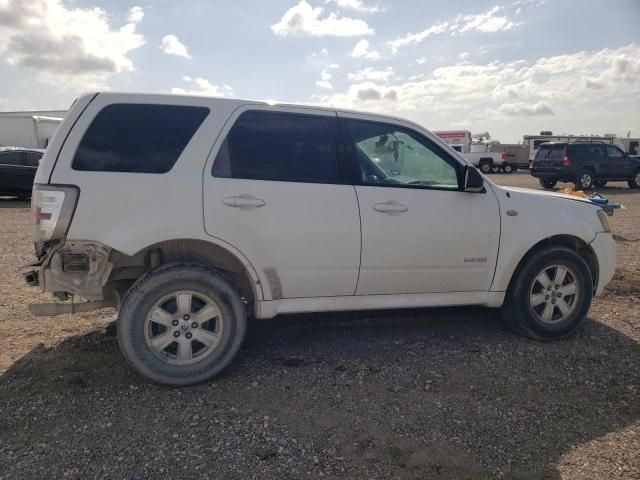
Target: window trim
(334,130)
(356,173)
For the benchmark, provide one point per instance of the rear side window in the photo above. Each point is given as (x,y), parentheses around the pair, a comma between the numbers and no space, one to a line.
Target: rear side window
(279,146)
(137,138)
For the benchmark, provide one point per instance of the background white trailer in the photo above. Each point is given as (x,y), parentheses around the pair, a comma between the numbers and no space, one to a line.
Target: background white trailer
(29,129)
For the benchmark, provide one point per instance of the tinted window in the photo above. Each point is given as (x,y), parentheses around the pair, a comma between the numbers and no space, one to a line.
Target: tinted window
(614,152)
(137,138)
(31,159)
(537,143)
(11,158)
(587,151)
(279,146)
(556,154)
(391,155)
(541,154)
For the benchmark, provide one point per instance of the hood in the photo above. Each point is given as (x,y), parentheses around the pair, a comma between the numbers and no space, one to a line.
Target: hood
(544,193)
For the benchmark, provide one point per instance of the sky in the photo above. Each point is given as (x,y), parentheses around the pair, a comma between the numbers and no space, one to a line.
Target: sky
(507,68)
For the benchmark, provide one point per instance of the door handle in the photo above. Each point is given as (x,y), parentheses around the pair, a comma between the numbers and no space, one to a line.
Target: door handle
(391,207)
(243,201)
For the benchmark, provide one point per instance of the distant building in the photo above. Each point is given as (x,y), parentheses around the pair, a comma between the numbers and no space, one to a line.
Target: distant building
(30,129)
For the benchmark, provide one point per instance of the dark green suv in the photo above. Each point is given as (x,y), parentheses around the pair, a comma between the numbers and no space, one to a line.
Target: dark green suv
(587,165)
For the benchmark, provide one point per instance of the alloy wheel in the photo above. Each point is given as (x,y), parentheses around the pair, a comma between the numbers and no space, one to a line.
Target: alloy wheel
(184,327)
(554,293)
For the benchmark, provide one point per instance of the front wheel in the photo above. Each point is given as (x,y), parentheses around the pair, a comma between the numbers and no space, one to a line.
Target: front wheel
(584,180)
(181,324)
(550,295)
(546,183)
(634,181)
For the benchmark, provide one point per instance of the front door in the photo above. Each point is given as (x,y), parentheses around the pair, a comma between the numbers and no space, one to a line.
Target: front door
(420,232)
(275,193)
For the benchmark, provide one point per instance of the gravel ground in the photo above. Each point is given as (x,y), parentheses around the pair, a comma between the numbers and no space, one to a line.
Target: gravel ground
(443,394)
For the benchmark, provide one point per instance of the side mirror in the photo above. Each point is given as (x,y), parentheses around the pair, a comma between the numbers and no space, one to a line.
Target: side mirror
(473,181)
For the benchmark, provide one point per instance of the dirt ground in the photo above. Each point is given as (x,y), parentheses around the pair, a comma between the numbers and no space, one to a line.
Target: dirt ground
(443,394)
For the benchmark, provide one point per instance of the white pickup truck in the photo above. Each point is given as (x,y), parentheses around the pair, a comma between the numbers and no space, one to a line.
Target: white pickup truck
(478,154)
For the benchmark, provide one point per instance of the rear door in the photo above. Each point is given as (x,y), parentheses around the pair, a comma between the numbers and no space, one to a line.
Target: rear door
(549,159)
(274,190)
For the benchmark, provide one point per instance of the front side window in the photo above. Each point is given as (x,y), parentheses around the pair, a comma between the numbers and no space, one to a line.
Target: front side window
(391,155)
(140,138)
(279,146)
(614,152)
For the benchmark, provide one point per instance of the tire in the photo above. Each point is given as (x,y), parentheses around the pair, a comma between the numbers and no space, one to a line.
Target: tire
(157,309)
(584,180)
(546,320)
(485,167)
(600,183)
(508,168)
(495,169)
(547,183)
(634,181)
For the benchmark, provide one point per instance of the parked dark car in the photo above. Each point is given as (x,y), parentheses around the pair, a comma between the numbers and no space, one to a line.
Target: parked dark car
(587,165)
(17,169)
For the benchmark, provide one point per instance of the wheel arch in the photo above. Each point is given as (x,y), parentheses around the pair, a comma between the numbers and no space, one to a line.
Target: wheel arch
(569,241)
(128,268)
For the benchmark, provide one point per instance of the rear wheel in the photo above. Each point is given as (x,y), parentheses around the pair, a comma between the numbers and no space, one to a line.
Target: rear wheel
(181,324)
(600,183)
(634,181)
(547,183)
(508,168)
(584,181)
(495,169)
(550,295)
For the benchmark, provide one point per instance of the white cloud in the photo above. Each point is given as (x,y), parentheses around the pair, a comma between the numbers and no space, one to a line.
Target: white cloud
(560,91)
(69,47)
(369,73)
(302,20)
(325,80)
(418,37)
(488,22)
(202,86)
(357,5)
(421,60)
(135,15)
(523,109)
(171,45)
(361,49)
(463,55)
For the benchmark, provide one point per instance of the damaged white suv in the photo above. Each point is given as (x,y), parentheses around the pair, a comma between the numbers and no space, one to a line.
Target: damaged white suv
(186,214)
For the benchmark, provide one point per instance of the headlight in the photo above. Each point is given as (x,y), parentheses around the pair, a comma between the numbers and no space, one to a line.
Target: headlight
(604,220)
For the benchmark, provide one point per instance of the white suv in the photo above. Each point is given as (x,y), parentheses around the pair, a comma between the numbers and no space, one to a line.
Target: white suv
(186,214)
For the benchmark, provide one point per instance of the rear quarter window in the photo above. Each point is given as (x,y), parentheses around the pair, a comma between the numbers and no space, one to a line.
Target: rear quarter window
(138,138)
